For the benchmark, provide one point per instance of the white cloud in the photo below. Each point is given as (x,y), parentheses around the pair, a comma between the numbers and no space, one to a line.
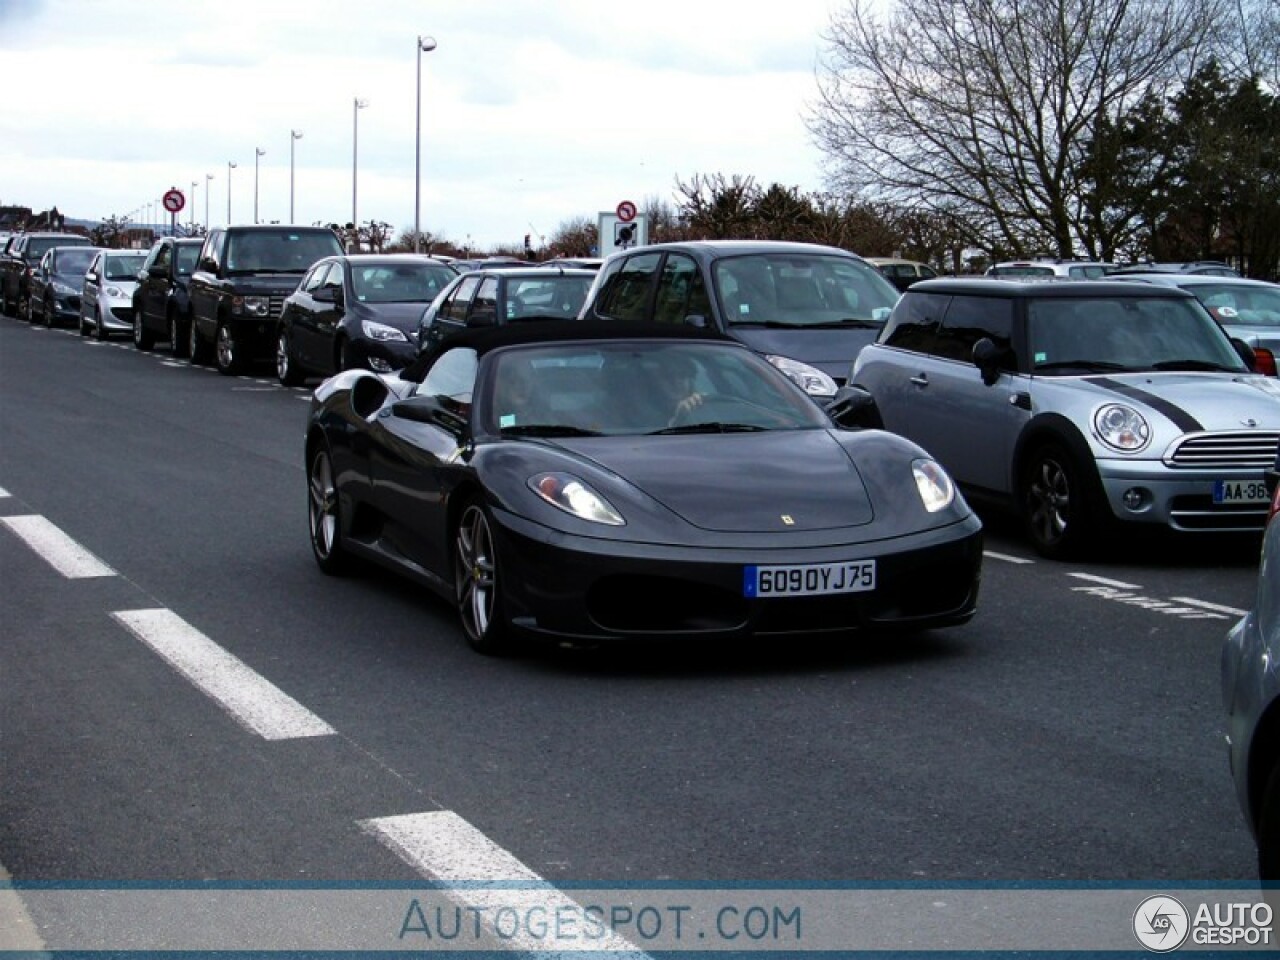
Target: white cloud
(532,112)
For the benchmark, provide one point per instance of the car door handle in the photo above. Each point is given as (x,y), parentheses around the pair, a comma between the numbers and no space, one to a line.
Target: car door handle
(920,380)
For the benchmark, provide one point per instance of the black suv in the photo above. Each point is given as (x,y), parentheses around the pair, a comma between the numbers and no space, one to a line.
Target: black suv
(238,290)
(161,303)
(21,257)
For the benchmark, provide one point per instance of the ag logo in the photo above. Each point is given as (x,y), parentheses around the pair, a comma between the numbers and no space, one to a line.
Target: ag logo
(1161,924)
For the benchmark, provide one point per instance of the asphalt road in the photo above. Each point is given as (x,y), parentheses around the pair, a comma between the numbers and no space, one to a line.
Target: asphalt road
(1071,732)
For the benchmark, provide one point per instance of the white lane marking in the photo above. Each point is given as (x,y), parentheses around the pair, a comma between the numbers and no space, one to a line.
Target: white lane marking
(1106,582)
(56,548)
(443,846)
(17,930)
(1205,604)
(252,701)
(1006,557)
(3,492)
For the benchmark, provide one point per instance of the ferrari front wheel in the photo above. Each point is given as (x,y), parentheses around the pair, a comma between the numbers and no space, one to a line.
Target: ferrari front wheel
(477,584)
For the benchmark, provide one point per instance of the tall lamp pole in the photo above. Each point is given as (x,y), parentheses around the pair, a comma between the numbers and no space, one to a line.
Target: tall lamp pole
(230,166)
(294,137)
(257,153)
(425,45)
(192,222)
(356,106)
(208,179)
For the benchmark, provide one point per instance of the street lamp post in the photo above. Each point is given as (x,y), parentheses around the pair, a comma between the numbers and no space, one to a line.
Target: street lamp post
(208,179)
(294,137)
(230,166)
(356,106)
(192,221)
(257,153)
(425,45)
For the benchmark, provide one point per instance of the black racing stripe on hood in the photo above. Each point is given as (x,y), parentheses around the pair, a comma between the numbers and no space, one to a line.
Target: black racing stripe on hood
(1184,421)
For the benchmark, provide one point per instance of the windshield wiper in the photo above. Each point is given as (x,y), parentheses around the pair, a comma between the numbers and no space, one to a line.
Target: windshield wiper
(1192,365)
(548,430)
(1095,365)
(713,427)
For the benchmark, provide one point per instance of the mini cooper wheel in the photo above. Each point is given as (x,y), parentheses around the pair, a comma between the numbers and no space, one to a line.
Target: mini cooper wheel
(324,516)
(477,584)
(1055,503)
(287,371)
(226,352)
(143,339)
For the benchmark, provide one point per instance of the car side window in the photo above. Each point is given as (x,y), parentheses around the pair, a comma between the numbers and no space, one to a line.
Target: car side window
(452,377)
(315,278)
(625,294)
(161,256)
(456,309)
(485,311)
(914,322)
(681,292)
(970,319)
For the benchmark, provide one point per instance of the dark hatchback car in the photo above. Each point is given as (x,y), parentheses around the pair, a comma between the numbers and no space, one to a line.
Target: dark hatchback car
(357,311)
(162,301)
(486,298)
(808,309)
(53,293)
(238,290)
(21,255)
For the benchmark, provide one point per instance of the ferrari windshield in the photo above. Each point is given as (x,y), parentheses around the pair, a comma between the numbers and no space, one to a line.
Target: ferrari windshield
(640,387)
(802,290)
(1069,336)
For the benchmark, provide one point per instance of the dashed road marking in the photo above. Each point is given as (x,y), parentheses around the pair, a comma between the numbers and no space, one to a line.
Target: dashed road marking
(1105,581)
(1211,606)
(251,700)
(3,492)
(443,846)
(1006,557)
(56,548)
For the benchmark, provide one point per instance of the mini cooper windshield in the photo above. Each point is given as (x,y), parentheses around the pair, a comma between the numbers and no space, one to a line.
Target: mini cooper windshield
(802,290)
(1069,336)
(630,389)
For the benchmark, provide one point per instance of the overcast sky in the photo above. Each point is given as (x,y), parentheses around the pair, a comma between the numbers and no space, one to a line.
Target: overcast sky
(534,112)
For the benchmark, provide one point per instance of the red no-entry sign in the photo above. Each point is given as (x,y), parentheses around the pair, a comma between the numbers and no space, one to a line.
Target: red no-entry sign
(626,211)
(174,200)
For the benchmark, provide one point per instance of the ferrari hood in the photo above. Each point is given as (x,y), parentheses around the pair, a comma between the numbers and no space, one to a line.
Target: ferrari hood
(1199,401)
(742,483)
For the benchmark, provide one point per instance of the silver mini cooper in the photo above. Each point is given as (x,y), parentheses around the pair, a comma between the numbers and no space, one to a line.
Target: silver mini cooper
(1080,404)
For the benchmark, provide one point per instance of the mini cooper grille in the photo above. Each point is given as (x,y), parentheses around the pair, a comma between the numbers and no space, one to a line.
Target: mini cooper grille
(1244,448)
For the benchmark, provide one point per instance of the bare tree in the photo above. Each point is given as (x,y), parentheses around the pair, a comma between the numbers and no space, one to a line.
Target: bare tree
(983,109)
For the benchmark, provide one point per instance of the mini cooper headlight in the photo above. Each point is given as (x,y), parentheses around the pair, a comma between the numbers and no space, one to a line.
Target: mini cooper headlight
(571,495)
(1121,427)
(933,484)
(812,380)
(381,332)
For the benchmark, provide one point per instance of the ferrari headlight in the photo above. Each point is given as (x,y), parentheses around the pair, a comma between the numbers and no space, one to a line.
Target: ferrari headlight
(381,332)
(933,484)
(812,380)
(1121,427)
(572,495)
(252,306)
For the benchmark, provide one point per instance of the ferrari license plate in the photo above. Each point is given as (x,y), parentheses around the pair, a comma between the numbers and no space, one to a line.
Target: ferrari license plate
(809,579)
(1240,491)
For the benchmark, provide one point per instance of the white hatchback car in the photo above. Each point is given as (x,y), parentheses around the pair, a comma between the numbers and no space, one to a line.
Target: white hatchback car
(106,302)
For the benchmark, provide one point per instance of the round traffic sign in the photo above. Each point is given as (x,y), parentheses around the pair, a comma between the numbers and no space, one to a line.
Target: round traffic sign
(174,200)
(626,211)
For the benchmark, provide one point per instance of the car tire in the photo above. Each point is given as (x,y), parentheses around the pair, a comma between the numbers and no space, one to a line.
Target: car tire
(476,582)
(99,326)
(324,515)
(226,356)
(27,311)
(47,315)
(1057,506)
(287,370)
(177,336)
(143,339)
(197,350)
(84,327)
(343,360)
